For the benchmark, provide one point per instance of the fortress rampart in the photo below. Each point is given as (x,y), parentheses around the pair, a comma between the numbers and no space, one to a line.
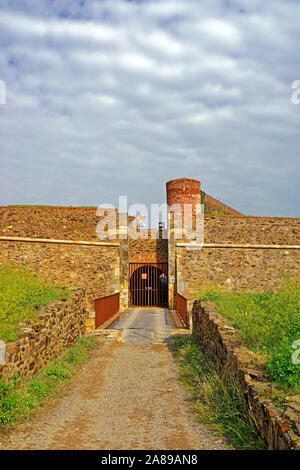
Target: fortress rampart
(267,248)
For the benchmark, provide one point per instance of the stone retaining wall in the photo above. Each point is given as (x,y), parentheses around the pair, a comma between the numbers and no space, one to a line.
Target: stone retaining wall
(249,269)
(59,324)
(96,268)
(218,338)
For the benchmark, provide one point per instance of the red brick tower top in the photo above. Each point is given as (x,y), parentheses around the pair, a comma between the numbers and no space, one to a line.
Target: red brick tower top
(183,191)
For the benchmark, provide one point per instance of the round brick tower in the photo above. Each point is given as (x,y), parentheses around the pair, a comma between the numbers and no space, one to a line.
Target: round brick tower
(183,191)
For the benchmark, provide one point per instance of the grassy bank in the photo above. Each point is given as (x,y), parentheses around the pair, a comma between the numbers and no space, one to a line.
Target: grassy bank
(219,404)
(19,397)
(269,323)
(21,294)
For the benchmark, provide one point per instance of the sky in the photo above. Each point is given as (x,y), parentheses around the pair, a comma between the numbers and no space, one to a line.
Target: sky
(115,97)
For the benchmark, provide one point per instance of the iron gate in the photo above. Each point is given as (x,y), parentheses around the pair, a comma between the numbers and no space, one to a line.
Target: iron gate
(148,284)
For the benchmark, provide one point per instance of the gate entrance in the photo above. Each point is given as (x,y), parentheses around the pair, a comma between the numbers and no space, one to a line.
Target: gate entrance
(148,284)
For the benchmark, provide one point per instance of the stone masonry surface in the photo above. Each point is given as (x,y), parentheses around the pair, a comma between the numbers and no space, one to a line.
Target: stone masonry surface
(94,267)
(153,248)
(59,324)
(250,230)
(218,338)
(63,223)
(239,269)
(49,222)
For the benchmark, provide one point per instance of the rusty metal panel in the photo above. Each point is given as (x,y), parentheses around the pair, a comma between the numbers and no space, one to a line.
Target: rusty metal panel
(148,284)
(181,308)
(106,308)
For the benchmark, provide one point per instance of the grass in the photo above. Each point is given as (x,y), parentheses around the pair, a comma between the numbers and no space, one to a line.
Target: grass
(269,322)
(217,403)
(20,397)
(215,212)
(21,294)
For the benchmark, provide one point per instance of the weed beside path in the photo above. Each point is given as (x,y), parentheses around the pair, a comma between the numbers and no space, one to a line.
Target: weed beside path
(20,397)
(221,405)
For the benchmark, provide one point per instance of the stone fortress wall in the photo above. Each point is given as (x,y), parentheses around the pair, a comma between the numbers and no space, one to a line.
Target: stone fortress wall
(250,253)
(48,241)
(239,251)
(61,244)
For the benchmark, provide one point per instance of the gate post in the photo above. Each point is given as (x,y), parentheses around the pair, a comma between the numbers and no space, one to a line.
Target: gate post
(171,262)
(124,266)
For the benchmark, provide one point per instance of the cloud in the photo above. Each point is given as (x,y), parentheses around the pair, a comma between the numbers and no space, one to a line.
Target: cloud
(220,31)
(117,97)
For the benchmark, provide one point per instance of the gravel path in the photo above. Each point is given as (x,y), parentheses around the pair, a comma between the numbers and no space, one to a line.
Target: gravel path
(127,396)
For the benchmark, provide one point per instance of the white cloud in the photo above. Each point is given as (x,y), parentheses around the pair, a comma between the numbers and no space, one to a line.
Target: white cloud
(80,30)
(118,97)
(220,31)
(160,42)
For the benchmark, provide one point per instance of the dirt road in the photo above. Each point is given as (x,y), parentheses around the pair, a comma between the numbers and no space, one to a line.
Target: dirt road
(127,396)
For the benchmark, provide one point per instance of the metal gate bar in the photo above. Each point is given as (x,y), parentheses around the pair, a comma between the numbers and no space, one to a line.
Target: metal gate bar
(148,284)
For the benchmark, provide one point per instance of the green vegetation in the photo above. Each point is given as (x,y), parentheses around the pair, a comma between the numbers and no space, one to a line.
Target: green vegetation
(269,323)
(19,398)
(220,404)
(21,294)
(215,212)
